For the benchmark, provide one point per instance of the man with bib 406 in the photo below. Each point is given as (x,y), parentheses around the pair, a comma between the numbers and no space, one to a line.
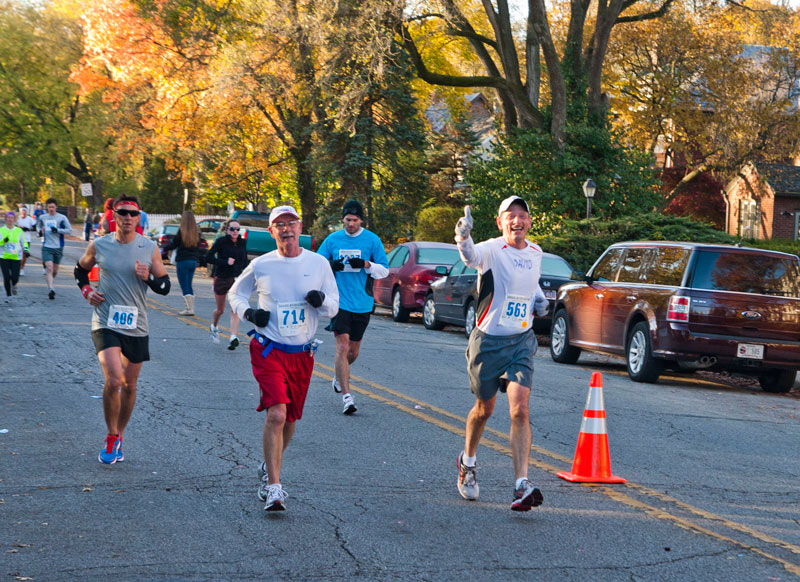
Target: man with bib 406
(294,287)
(128,263)
(501,347)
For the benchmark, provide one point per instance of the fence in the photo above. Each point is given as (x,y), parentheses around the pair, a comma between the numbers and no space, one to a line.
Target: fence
(156,220)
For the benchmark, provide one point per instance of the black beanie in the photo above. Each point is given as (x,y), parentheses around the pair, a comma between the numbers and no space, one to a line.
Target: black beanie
(353,207)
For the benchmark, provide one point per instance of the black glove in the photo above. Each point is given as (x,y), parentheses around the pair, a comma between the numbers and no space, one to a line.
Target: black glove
(53,229)
(258,316)
(337,265)
(356,262)
(315,298)
(5,240)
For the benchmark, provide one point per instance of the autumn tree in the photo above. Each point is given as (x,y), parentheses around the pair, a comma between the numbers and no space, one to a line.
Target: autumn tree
(693,87)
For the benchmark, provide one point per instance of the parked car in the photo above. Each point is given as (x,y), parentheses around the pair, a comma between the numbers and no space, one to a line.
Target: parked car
(255,232)
(208,228)
(686,306)
(412,268)
(164,235)
(453,299)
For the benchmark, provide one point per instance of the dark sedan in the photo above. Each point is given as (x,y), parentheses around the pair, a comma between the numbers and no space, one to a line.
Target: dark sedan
(453,298)
(164,235)
(412,268)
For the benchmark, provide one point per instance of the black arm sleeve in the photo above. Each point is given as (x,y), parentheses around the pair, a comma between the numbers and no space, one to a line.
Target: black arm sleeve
(81,276)
(160,285)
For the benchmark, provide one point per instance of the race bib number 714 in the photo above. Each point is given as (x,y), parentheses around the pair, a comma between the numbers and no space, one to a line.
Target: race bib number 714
(292,318)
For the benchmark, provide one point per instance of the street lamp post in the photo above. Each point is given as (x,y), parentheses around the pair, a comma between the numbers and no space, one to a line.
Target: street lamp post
(589,188)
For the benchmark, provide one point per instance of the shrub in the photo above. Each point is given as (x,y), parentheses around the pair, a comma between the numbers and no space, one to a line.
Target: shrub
(437,223)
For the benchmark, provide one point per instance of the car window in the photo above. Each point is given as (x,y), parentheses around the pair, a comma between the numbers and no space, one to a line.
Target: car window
(556,267)
(254,220)
(606,268)
(435,256)
(631,269)
(398,256)
(171,228)
(747,273)
(665,266)
(458,268)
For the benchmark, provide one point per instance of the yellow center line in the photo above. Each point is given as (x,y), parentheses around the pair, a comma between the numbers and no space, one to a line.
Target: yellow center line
(612,493)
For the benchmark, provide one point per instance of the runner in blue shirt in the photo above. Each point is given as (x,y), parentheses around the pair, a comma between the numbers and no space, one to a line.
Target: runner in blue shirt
(356,256)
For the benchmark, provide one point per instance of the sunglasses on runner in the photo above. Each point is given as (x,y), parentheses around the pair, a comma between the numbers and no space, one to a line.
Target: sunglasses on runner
(236,228)
(126,212)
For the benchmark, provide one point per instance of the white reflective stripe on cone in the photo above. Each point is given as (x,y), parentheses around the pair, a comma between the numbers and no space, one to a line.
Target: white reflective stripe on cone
(593,426)
(594,401)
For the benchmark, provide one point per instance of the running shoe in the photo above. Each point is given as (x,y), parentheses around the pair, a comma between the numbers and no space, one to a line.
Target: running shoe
(336,386)
(22,272)
(108,456)
(262,470)
(120,454)
(13,289)
(276,498)
(214,334)
(234,343)
(467,480)
(349,405)
(526,496)
(52,294)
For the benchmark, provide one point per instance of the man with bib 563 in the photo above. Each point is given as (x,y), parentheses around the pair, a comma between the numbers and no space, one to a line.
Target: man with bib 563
(501,347)
(294,287)
(128,263)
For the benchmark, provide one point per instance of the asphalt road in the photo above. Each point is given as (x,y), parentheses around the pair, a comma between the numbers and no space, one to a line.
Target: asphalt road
(712,467)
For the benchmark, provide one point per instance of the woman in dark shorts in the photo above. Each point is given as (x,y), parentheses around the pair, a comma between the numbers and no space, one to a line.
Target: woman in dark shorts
(228,255)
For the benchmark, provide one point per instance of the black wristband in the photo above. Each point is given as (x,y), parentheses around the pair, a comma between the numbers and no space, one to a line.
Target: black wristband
(81,276)
(160,285)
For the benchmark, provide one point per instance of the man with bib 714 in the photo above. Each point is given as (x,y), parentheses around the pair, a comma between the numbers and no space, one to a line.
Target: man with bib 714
(128,264)
(501,347)
(294,287)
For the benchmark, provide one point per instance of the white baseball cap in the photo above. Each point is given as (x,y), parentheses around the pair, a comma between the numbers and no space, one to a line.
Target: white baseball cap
(278,210)
(506,204)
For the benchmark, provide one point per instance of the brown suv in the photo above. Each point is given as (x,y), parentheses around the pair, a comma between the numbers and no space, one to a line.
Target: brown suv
(686,306)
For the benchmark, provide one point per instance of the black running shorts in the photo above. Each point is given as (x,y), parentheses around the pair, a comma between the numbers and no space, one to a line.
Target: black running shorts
(135,348)
(354,324)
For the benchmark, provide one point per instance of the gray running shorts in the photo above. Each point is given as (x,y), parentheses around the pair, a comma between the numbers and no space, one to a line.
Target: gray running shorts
(495,360)
(50,254)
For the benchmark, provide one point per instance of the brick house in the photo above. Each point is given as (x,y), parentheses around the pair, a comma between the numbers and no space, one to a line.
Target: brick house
(763,201)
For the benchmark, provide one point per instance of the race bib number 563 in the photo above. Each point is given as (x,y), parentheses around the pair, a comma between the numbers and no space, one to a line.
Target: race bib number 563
(516,311)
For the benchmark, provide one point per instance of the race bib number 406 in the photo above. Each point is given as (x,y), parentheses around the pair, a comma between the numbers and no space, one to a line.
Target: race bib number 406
(516,311)
(122,316)
(292,318)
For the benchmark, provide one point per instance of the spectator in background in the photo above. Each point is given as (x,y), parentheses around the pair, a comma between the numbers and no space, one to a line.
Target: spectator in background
(87,224)
(107,222)
(28,225)
(187,244)
(38,211)
(144,222)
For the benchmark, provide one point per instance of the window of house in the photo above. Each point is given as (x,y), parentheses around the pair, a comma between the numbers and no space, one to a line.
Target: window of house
(749,218)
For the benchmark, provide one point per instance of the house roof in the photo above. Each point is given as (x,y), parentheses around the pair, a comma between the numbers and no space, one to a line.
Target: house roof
(784,179)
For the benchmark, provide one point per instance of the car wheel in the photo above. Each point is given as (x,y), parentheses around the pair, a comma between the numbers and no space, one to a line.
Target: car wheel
(399,313)
(560,350)
(777,381)
(642,366)
(429,314)
(469,318)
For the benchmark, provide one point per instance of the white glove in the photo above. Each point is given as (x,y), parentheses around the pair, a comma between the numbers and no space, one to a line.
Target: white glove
(540,306)
(464,225)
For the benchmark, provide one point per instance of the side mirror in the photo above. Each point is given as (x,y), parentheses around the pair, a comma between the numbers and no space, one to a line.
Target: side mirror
(443,271)
(577,276)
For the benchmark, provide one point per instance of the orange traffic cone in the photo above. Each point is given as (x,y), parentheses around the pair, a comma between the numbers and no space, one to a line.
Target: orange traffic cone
(592,463)
(94,274)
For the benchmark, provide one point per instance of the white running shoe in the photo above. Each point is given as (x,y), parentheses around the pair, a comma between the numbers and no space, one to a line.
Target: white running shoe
(275,497)
(22,272)
(234,343)
(349,405)
(336,386)
(467,480)
(214,334)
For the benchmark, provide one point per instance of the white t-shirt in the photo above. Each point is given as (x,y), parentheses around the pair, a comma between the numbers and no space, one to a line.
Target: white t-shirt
(282,284)
(28,222)
(508,284)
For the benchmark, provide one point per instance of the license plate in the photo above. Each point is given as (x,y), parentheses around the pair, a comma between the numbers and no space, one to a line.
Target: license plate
(752,351)
(549,293)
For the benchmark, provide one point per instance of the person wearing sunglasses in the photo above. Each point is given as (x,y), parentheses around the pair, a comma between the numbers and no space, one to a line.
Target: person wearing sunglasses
(294,287)
(228,255)
(54,226)
(128,264)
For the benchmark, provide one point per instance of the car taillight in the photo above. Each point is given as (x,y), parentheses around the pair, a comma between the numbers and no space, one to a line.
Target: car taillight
(426,276)
(243,234)
(678,309)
